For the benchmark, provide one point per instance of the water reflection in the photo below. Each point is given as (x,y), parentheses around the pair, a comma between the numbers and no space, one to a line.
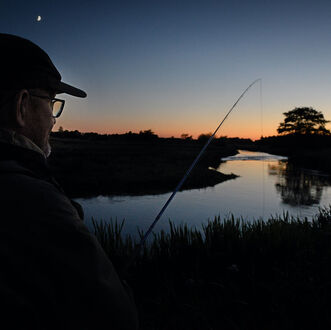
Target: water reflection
(264,187)
(298,186)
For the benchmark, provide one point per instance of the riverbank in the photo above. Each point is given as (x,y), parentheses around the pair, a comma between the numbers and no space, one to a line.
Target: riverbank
(231,275)
(129,167)
(306,151)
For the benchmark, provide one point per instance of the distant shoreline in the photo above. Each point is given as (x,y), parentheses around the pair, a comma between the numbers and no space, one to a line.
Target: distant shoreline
(88,168)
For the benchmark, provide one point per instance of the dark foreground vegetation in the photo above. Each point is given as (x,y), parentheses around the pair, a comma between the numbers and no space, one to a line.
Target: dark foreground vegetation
(231,274)
(89,164)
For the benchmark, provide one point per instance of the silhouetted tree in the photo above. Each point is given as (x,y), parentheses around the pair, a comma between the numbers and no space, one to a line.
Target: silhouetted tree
(203,138)
(186,136)
(305,120)
(148,135)
(147,132)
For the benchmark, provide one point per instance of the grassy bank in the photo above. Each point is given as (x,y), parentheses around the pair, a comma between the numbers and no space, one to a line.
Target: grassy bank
(230,274)
(118,165)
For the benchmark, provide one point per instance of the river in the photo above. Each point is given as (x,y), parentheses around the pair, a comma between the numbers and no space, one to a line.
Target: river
(267,185)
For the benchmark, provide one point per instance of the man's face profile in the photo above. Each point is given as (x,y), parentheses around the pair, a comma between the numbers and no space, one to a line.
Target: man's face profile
(35,117)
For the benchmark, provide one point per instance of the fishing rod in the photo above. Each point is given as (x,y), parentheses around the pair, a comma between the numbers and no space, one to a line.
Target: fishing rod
(181,182)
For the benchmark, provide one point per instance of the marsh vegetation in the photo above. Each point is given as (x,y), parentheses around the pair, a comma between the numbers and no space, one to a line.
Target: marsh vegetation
(229,274)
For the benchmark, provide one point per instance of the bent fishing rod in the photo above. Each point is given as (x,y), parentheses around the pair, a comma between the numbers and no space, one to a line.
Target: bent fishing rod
(181,182)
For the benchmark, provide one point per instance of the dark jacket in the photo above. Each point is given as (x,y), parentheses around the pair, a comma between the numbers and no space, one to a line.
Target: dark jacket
(53,272)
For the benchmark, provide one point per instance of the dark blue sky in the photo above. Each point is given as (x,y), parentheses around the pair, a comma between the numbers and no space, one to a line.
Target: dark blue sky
(177,66)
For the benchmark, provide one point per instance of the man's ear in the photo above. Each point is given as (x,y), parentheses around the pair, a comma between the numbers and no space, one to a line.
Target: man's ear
(22,107)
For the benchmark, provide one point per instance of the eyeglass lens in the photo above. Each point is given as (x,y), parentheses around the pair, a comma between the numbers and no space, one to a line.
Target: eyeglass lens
(57,107)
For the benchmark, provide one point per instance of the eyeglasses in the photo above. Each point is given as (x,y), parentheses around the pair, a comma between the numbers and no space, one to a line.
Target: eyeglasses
(57,105)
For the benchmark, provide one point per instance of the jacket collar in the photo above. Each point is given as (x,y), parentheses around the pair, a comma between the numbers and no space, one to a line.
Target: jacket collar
(11,137)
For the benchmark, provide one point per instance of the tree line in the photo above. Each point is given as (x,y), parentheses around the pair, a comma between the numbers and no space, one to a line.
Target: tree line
(301,121)
(146,135)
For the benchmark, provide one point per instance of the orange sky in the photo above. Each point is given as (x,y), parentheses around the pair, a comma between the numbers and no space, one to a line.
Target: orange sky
(249,119)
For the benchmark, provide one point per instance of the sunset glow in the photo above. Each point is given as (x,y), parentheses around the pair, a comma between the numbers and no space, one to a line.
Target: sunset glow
(178,67)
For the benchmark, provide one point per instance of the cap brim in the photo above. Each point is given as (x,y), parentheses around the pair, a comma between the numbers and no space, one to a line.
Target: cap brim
(65,88)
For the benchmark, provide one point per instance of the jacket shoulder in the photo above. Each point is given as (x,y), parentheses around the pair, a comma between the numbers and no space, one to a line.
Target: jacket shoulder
(32,194)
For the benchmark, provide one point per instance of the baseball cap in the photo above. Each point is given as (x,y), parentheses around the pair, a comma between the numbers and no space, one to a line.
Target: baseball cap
(23,64)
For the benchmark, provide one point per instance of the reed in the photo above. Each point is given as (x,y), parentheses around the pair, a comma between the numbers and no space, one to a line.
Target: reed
(230,274)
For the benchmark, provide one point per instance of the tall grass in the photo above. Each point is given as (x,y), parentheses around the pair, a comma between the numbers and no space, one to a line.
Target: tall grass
(231,274)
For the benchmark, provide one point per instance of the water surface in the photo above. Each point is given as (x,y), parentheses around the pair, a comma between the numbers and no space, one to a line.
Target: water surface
(267,185)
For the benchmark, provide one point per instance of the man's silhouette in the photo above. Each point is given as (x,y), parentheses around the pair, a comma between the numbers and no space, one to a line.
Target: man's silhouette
(53,272)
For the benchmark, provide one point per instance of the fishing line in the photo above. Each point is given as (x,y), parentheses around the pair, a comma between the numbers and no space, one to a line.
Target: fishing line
(181,182)
(263,160)
(261,108)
